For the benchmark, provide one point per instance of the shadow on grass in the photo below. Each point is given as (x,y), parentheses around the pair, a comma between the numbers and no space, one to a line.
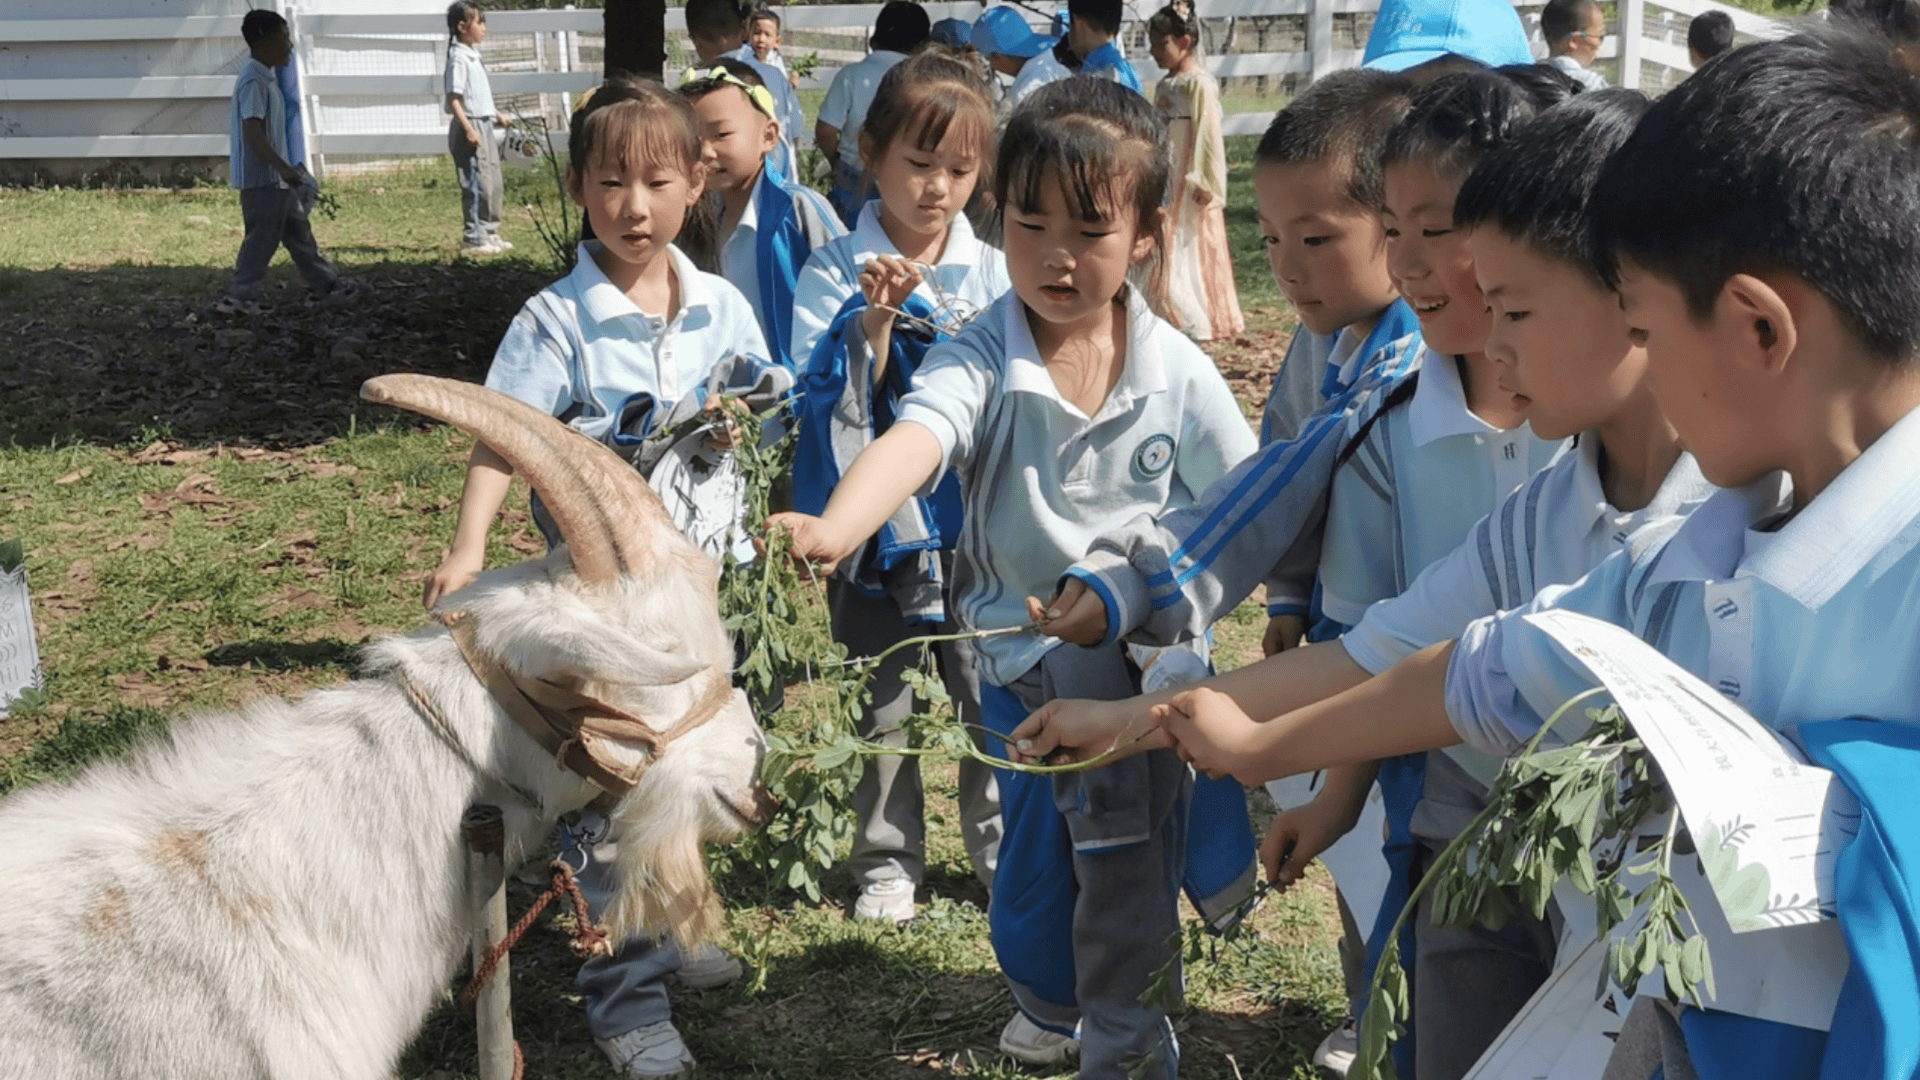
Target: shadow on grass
(287,655)
(125,354)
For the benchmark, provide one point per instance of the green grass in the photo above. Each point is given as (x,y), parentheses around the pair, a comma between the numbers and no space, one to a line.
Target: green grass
(208,515)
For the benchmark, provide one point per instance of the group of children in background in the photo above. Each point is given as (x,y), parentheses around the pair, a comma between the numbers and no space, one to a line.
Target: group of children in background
(1535,333)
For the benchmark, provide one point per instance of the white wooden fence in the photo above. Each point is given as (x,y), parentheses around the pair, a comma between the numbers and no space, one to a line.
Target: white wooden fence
(145,86)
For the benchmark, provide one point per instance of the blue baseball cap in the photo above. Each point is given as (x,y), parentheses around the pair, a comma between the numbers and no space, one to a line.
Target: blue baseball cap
(953,33)
(1004,30)
(1409,32)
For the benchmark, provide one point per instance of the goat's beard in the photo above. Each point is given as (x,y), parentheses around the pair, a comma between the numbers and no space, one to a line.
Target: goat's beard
(665,889)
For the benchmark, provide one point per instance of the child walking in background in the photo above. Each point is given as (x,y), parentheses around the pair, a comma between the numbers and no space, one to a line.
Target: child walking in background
(926,142)
(275,194)
(1066,408)
(1196,270)
(768,225)
(633,320)
(763,37)
(470,134)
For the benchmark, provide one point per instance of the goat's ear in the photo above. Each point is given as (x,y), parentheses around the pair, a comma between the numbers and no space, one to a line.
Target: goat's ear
(635,663)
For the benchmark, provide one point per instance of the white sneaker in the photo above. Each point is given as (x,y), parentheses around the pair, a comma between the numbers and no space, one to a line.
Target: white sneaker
(891,899)
(653,1052)
(1336,1052)
(706,965)
(500,243)
(485,247)
(1029,1042)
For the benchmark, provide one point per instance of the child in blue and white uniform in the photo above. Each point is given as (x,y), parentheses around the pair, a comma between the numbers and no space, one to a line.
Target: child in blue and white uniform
(470,134)
(1782,332)
(1066,407)
(634,321)
(769,225)
(1091,34)
(926,140)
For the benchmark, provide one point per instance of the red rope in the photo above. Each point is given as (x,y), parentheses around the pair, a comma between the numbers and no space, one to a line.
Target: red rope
(589,940)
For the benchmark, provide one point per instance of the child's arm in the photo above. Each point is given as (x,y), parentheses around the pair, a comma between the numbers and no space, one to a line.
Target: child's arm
(886,281)
(1401,712)
(457,105)
(488,476)
(1299,835)
(254,131)
(884,476)
(1068,729)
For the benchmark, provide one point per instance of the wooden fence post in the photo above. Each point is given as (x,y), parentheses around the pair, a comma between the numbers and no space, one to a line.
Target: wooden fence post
(1633,21)
(485,832)
(1319,39)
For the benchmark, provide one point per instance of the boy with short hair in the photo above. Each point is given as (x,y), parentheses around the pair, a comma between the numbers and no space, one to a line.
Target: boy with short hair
(716,28)
(1708,35)
(763,37)
(1782,330)
(1574,30)
(1001,34)
(1091,33)
(272,189)
(901,27)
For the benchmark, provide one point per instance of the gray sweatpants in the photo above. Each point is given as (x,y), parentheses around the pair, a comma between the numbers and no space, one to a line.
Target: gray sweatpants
(478,168)
(274,216)
(889,805)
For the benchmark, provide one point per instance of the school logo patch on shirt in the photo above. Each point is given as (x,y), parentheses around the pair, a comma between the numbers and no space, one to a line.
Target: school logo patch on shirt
(1154,456)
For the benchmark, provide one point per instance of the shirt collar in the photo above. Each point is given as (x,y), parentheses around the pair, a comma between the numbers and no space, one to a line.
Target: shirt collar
(1867,517)
(462,48)
(1145,371)
(1439,405)
(1682,486)
(963,248)
(603,301)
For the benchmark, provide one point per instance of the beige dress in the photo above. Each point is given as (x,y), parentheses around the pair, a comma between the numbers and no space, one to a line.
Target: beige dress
(1196,273)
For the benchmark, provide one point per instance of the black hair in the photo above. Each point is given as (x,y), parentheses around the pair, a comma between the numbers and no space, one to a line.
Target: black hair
(458,13)
(902,26)
(1102,15)
(1085,134)
(1544,84)
(1344,119)
(763,12)
(259,24)
(1561,19)
(712,19)
(1538,185)
(1897,19)
(1799,156)
(1428,72)
(1710,34)
(923,97)
(1175,20)
(1458,118)
(739,69)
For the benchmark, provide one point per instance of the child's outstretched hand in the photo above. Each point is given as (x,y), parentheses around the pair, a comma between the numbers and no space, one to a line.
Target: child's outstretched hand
(1212,732)
(816,549)
(1076,614)
(1068,730)
(1298,836)
(888,280)
(454,573)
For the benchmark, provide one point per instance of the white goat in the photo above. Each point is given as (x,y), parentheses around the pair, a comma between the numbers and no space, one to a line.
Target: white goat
(279,892)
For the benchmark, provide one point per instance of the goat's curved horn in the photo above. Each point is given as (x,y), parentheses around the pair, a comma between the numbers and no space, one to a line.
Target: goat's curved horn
(606,513)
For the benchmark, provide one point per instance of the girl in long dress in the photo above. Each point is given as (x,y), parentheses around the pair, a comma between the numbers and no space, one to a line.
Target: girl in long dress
(1196,275)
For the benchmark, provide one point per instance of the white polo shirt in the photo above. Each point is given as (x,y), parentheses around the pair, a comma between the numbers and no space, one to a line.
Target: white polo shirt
(1412,491)
(256,96)
(1551,531)
(466,76)
(972,272)
(1813,620)
(850,95)
(1042,479)
(579,348)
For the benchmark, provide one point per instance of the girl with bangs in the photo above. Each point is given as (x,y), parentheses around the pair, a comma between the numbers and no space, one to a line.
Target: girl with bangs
(632,335)
(867,307)
(1066,408)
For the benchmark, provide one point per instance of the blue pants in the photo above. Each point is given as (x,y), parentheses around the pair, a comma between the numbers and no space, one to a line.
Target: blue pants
(627,990)
(1086,897)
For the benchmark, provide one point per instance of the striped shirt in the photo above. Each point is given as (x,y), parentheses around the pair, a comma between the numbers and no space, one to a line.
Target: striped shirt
(256,96)
(1044,480)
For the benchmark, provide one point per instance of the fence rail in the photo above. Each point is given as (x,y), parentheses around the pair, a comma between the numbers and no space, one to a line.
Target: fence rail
(371,79)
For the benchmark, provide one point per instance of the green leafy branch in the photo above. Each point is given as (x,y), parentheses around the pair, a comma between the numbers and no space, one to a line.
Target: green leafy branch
(1546,815)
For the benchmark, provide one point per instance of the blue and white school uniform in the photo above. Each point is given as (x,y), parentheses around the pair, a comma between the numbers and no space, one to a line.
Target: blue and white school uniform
(1803,623)
(973,272)
(1321,367)
(1106,62)
(783,224)
(580,348)
(1042,479)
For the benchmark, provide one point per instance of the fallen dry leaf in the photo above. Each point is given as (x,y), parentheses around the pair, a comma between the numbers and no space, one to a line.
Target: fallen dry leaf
(76,476)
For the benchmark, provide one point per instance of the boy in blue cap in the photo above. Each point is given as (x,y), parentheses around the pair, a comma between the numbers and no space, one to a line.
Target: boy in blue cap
(1012,48)
(1408,33)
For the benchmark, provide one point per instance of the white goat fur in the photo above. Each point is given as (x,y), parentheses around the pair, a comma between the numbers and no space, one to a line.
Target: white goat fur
(280,892)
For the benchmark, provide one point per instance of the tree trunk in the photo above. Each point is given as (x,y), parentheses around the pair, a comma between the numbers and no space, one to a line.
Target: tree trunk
(636,37)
